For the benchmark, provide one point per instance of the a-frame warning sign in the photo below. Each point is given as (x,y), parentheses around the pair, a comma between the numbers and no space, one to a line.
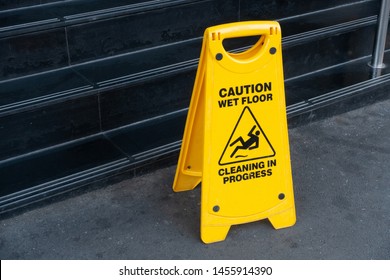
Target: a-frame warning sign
(235,141)
(247,142)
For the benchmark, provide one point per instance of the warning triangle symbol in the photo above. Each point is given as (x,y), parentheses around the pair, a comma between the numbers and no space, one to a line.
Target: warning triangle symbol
(247,141)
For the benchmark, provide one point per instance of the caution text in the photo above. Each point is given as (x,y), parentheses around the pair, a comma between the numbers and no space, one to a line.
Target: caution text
(245,94)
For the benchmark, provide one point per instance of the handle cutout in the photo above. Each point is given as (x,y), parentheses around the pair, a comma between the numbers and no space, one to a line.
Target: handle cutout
(237,45)
(244,48)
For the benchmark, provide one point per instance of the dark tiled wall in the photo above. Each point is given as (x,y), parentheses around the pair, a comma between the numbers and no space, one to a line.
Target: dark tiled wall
(250,9)
(154,39)
(327,52)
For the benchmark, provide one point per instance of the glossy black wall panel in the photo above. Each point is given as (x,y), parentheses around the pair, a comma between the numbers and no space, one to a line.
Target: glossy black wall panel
(143,101)
(136,67)
(51,125)
(32,53)
(11,21)
(134,32)
(343,76)
(275,10)
(150,138)
(74,8)
(327,52)
(40,88)
(329,18)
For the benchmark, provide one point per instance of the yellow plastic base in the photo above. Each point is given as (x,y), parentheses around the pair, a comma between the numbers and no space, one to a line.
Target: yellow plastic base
(211,234)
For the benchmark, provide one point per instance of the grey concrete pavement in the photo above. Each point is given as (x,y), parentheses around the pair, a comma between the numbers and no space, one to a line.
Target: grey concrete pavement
(341,173)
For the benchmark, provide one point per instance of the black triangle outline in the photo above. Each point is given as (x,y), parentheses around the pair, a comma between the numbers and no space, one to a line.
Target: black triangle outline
(234,130)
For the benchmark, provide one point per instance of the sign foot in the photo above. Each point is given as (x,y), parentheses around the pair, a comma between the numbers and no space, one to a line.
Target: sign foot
(210,234)
(284,219)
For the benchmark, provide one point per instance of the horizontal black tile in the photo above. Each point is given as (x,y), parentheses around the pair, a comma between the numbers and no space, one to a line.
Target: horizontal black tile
(13,20)
(38,89)
(342,101)
(150,138)
(307,14)
(322,82)
(32,53)
(337,90)
(140,102)
(327,52)
(45,126)
(137,66)
(89,7)
(134,32)
(51,165)
(328,18)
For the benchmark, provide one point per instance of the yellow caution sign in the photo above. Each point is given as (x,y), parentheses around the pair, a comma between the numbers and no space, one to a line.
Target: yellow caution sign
(236,139)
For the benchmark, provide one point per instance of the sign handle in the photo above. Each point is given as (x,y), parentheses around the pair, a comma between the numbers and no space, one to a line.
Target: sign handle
(243,29)
(260,54)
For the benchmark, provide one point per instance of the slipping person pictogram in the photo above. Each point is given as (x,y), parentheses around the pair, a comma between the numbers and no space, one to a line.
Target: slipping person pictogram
(247,142)
(250,144)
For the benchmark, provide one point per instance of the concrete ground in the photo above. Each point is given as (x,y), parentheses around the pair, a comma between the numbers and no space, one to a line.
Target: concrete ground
(341,173)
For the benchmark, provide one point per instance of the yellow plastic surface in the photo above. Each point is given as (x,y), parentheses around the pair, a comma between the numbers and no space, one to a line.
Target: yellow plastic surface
(236,138)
